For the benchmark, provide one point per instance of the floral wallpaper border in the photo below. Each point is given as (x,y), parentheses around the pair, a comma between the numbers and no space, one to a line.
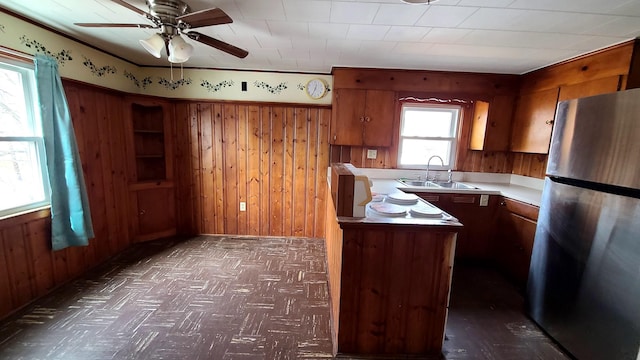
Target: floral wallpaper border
(217,87)
(98,71)
(173,85)
(272,89)
(144,83)
(143,79)
(61,57)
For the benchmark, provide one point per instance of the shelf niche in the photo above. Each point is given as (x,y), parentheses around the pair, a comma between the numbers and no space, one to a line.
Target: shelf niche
(149,142)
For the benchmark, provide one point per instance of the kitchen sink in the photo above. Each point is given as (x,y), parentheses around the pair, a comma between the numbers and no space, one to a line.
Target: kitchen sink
(437,184)
(453,185)
(421,183)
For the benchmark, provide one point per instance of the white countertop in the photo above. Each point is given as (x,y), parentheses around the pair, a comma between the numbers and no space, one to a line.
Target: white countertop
(527,190)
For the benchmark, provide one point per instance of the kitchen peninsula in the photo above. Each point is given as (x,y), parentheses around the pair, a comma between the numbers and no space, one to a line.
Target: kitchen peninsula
(389,277)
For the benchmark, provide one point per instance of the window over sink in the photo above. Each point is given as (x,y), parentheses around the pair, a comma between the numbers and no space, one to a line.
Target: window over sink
(428,130)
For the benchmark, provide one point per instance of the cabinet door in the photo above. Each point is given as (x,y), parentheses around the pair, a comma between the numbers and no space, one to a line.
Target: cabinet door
(533,122)
(516,229)
(379,115)
(474,238)
(590,88)
(155,209)
(479,125)
(347,118)
(498,130)
(491,127)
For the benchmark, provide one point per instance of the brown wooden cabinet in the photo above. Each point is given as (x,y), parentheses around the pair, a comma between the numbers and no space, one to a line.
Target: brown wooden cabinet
(389,286)
(475,238)
(533,121)
(491,127)
(590,88)
(362,117)
(154,209)
(151,187)
(513,240)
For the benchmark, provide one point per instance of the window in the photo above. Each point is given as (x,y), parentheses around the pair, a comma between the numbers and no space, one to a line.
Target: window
(427,130)
(23,182)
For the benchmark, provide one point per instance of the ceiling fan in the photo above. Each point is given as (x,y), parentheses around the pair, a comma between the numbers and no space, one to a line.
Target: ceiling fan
(175,18)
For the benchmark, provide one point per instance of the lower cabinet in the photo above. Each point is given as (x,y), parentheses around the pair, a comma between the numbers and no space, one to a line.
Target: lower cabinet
(513,240)
(474,240)
(153,207)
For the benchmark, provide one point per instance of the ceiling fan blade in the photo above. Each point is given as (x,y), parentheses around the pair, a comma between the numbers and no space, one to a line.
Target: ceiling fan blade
(220,45)
(205,17)
(101,25)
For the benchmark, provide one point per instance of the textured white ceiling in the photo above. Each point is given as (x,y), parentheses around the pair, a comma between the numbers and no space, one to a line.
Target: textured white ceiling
(502,36)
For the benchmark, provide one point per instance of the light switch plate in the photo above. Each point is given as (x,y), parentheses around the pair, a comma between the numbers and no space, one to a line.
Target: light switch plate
(484,200)
(243,206)
(372,154)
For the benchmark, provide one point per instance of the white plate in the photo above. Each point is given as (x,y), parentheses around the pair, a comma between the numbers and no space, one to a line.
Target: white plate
(402,198)
(387,209)
(426,211)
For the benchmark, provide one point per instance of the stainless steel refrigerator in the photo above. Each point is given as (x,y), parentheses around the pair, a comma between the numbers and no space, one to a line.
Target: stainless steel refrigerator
(584,279)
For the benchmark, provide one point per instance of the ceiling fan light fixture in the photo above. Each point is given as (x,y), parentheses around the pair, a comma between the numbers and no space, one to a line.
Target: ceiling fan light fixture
(179,50)
(153,45)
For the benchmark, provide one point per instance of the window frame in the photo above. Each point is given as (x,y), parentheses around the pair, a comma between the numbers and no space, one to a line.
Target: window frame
(30,94)
(454,140)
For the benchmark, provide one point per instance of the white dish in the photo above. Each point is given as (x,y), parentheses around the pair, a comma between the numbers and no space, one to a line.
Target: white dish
(386,209)
(402,198)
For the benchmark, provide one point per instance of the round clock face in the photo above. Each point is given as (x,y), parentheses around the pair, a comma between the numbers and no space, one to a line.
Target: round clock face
(316,88)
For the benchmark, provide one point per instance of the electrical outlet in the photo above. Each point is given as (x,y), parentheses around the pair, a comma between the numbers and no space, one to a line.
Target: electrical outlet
(484,200)
(243,206)
(372,154)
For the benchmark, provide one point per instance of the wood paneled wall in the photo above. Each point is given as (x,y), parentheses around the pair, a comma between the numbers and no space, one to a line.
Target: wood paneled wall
(28,266)
(272,157)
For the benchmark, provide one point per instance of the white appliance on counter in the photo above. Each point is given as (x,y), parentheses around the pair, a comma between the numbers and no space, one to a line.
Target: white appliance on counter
(361,195)
(350,190)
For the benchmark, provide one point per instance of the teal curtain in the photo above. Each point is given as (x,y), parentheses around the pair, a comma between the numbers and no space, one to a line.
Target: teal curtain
(70,215)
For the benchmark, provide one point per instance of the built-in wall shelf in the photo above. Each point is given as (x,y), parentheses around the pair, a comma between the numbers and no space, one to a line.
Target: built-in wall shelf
(149,141)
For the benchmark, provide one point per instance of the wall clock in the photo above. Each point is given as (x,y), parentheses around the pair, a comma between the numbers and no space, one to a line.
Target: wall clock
(316,88)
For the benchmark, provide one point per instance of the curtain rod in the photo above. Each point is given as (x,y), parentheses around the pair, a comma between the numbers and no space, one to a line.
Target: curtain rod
(14,54)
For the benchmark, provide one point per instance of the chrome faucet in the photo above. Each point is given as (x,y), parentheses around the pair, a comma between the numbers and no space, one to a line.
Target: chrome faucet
(429,164)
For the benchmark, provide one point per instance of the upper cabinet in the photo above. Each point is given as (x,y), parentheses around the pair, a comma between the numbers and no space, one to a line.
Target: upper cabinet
(362,117)
(604,71)
(535,112)
(491,125)
(533,121)
(590,88)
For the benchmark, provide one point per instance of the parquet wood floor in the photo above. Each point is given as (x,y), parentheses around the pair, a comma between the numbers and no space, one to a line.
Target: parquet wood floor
(204,298)
(224,297)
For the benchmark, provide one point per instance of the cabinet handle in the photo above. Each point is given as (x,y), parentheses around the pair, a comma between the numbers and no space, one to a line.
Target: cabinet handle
(549,122)
(367,119)
(334,137)
(361,119)
(142,212)
(503,203)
